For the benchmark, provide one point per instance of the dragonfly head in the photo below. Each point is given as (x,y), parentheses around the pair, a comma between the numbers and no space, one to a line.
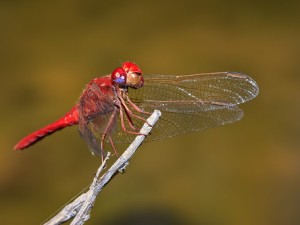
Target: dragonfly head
(134,75)
(129,75)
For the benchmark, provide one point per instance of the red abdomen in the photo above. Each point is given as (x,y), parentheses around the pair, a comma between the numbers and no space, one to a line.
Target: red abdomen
(69,119)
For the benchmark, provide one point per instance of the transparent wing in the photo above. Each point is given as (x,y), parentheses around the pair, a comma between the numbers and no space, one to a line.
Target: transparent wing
(96,109)
(173,123)
(192,102)
(221,88)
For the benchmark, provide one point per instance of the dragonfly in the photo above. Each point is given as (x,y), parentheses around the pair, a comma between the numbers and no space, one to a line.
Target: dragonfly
(113,108)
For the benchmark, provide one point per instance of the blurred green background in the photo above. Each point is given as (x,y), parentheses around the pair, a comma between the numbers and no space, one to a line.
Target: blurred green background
(244,173)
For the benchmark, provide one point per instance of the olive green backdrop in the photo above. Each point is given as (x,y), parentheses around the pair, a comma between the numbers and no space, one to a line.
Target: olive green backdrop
(247,173)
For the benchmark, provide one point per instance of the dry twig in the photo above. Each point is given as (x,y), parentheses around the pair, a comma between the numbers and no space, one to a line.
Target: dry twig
(80,208)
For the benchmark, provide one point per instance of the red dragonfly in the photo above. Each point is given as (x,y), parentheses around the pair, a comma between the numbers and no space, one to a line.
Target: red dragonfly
(112,108)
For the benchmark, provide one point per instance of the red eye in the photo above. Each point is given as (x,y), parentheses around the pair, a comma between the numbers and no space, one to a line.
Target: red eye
(118,76)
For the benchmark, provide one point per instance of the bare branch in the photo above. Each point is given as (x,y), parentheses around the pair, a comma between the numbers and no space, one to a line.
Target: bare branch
(80,208)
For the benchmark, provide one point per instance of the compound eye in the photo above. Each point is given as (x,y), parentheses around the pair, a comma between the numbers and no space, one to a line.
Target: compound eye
(119,76)
(135,80)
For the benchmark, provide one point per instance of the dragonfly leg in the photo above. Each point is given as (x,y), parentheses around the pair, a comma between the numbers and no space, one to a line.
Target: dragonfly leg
(113,146)
(107,132)
(123,124)
(138,109)
(129,120)
(130,113)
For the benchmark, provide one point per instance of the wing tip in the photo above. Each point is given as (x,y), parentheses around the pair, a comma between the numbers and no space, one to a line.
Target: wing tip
(254,90)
